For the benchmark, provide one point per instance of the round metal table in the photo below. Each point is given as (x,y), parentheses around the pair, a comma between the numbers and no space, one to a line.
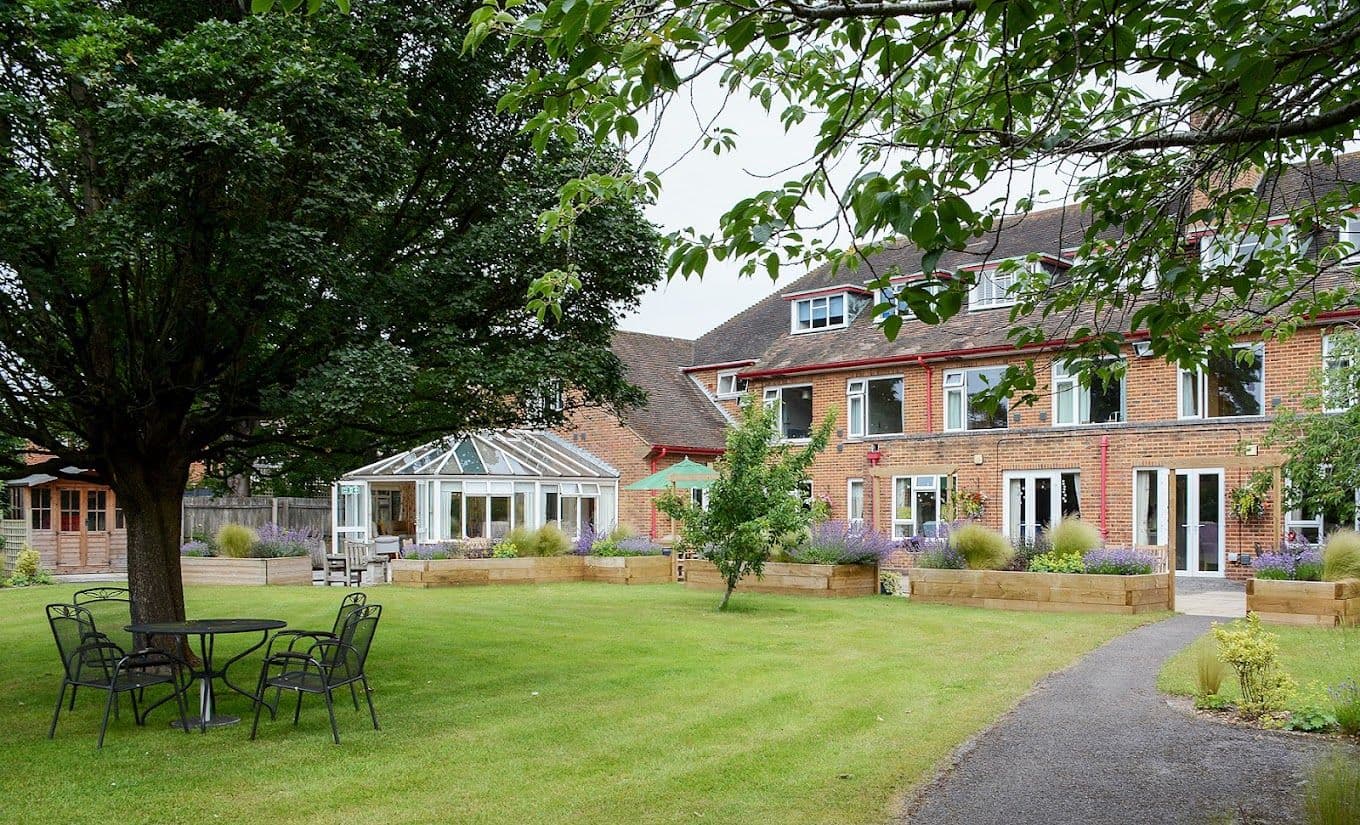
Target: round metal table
(206,630)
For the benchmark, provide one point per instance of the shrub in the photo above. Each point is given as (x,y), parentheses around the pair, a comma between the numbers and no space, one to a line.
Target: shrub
(1210,671)
(942,557)
(890,583)
(1346,703)
(1341,556)
(1120,562)
(631,546)
(1072,535)
(523,538)
(235,540)
(28,570)
(196,549)
(1332,796)
(586,541)
(1055,562)
(982,547)
(275,542)
(1025,552)
(549,540)
(1311,711)
(505,550)
(839,542)
(1253,653)
(1273,566)
(1308,566)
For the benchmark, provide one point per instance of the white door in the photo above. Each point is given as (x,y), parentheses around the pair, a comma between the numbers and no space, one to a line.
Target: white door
(1035,501)
(349,513)
(424,508)
(1199,535)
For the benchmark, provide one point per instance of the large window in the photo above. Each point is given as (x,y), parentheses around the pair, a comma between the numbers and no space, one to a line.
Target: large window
(822,312)
(918,505)
(481,509)
(795,410)
(854,501)
(1338,351)
(40,508)
(993,288)
(1035,501)
(1229,385)
(1093,401)
(964,409)
(572,506)
(875,406)
(730,386)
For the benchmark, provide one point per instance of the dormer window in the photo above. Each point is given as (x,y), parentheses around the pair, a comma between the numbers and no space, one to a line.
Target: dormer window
(992,288)
(1225,250)
(826,308)
(1350,235)
(730,386)
(891,294)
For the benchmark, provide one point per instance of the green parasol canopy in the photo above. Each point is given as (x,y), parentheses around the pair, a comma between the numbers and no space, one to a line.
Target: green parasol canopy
(686,475)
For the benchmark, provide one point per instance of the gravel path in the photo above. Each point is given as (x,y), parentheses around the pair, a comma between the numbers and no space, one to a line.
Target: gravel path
(1098,744)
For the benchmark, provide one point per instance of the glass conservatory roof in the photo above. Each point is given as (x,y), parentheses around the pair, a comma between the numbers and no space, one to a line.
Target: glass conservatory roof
(514,453)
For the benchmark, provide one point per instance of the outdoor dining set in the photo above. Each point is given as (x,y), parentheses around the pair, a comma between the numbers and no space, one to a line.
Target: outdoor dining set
(102,649)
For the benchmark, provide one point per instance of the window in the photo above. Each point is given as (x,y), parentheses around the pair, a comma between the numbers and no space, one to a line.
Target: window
(698,496)
(572,506)
(1337,360)
(918,504)
(803,492)
(875,406)
(386,507)
(993,289)
(1223,250)
(15,509)
(550,398)
(118,522)
(963,409)
(70,511)
(482,509)
(854,502)
(1312,524)
(1035,501)
(1078,402)
(1149,508)
(890,295)
(40,508)
(730,386)
(795,410)
(823,312)
(1350,234)
(1228,386)
(96,511)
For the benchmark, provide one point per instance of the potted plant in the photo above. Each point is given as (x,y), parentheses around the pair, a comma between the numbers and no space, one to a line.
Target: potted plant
(1248,502)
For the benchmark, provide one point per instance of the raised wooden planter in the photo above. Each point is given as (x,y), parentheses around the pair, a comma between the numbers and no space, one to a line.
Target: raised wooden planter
(455,572)
(629,569)
(1047,592)
(791,579)
(221,570)
(1324,604)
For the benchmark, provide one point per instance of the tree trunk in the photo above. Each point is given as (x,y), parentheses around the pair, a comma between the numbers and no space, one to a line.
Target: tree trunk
(731,585)
(151,495)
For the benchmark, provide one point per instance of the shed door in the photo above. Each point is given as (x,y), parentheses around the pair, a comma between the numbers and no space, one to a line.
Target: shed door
(82,528)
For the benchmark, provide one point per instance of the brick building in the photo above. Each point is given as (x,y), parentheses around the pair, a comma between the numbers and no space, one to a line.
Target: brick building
(1151,461)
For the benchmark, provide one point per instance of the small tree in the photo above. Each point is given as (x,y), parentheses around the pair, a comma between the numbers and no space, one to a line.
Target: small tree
(1322,455)
(753,502)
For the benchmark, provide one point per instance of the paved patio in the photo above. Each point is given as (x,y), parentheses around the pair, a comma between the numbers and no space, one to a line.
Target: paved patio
(1219,598)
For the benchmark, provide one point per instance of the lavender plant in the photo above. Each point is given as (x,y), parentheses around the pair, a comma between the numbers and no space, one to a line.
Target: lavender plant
(1120,561)
(274,542)
(196,549)
(941,556)
(839,542)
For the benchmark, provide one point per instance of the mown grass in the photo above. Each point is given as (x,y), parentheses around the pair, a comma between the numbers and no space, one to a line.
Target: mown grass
(1325,656)
(582,703)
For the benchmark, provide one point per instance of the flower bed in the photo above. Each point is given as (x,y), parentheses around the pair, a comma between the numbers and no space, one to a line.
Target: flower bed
(629,569)
(455,572)
(791,578)
(1051,592)
(224,570)
(1325,604)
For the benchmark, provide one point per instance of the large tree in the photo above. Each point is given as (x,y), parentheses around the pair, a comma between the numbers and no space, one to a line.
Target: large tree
(928,115)
(225,236)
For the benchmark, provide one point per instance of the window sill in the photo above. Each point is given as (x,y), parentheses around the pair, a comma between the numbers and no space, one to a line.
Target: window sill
(1007,305)
(817,329)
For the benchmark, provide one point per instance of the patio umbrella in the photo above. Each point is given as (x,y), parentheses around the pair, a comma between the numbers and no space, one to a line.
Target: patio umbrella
(686,475)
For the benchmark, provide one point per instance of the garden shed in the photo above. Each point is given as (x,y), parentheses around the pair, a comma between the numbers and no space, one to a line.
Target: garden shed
(476,487)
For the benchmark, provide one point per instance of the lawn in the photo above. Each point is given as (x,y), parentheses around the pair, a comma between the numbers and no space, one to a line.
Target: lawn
(566,703)
(1327,656)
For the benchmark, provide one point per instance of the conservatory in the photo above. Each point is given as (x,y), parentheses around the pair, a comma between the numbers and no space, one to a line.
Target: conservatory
(475,487)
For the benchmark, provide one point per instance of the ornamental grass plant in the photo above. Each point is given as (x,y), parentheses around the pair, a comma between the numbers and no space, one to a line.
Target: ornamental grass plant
(981,547)
(1341,556)
(1072,536)
(235,541)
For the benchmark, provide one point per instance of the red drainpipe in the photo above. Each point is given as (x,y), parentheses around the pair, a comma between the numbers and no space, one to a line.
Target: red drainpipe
(930,393)
(1104,476)
(652,495)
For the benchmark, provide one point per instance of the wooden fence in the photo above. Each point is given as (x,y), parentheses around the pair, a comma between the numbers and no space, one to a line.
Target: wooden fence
(203,516)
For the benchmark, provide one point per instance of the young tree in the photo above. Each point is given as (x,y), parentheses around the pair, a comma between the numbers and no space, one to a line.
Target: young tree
(753,502)
(1156,116)
(1322,453)
(225,236)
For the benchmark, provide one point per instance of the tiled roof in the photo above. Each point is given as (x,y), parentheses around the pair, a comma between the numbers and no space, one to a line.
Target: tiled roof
(677,412)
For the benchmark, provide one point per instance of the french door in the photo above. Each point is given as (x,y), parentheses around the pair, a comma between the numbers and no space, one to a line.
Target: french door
(1199,536)
(1035,501)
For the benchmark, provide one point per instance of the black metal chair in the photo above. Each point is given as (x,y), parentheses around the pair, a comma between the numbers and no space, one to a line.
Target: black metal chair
(327,665)
(90,660)
(348,605)
(111,608)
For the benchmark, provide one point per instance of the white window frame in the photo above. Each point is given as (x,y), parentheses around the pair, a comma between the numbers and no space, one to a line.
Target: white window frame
(1216,250)
(1349,232)
(1028,520)
(1062,378)
(1163,478)
(956,382)
(939,484)
(888,295)
(850,497)
(857,406)
(1341,363)
(775,395)
(993,289)
(736,389)
(812,302)
(1201,384)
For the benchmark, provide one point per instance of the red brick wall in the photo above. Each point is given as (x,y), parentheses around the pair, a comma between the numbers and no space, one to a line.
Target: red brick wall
(1152,437)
